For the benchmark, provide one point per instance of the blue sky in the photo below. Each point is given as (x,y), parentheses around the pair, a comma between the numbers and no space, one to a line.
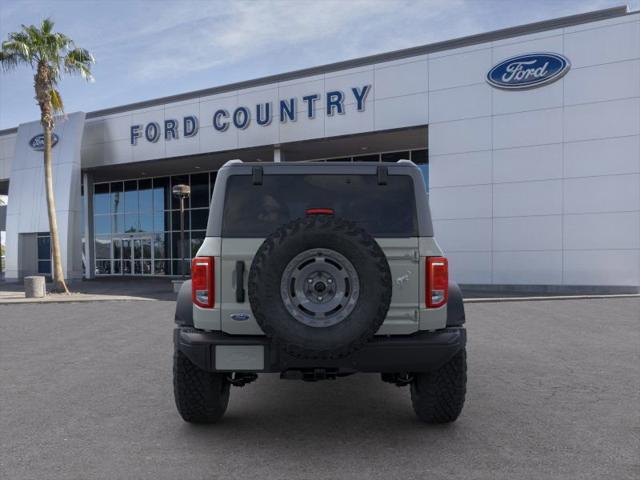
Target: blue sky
(149,49)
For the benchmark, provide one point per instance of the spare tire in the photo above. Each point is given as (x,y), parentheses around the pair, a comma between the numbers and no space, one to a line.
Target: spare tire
(320,287)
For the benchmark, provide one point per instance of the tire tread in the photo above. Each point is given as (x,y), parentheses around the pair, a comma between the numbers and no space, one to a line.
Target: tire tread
(438,397)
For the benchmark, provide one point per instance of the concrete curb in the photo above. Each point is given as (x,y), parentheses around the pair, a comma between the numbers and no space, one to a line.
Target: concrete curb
(76,299)
(547,298)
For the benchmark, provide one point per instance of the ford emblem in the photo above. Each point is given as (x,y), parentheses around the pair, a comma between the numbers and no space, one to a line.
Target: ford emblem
(240,317)
(528,71)
(37,142)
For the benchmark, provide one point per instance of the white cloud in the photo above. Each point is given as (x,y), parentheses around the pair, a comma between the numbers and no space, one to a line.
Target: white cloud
(185,39)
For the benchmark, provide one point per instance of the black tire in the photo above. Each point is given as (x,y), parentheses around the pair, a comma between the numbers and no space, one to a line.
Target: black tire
(438,397)
(320,232)
(201,396)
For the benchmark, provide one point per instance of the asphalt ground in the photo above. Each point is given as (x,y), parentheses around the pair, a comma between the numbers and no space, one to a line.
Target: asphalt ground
(553,392)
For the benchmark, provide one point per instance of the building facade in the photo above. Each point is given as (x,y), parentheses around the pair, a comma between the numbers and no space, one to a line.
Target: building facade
(528,138)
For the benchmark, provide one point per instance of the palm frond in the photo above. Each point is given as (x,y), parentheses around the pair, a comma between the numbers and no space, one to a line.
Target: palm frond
(19,47)
(47,26)
(79,61)
(56,101)
(9,61)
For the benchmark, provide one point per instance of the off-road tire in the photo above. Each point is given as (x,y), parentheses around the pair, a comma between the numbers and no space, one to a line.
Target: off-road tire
(349,240)
(201,396)
(438,397)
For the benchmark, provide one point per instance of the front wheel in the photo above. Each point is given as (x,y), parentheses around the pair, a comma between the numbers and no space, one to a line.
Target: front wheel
(438,396)
(201,396)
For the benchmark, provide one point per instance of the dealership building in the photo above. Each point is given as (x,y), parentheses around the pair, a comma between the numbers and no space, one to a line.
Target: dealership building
(528,139)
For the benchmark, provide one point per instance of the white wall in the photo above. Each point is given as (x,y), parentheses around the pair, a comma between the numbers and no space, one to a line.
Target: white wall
(540,186)
(27,206)
(7,151)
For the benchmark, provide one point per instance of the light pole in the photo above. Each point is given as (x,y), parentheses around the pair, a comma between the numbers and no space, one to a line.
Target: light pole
(182,192)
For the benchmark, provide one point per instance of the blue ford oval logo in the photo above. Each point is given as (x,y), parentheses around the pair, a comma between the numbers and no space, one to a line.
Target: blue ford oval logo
(240,317)
(37,142)
(528,71)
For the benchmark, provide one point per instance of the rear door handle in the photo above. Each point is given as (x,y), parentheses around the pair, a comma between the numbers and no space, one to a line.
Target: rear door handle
(240,281)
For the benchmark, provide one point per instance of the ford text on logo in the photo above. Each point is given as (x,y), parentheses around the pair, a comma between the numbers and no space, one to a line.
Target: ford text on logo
(285,110)
(37,142)
(528,71)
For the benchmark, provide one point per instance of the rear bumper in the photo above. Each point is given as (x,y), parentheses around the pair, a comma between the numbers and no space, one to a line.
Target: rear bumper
(420,352)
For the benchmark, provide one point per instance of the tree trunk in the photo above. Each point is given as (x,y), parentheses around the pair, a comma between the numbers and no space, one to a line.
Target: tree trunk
(59,284)
(43,85)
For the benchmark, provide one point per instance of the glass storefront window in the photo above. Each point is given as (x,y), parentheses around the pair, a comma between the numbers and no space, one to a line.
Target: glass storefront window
(44,266)
(103,247)
(101,199)
(175,244)
(186,267)
(117,248)
(161,222)
(145,195)
(146,222)
(131,223)
(199,218)
(160,245)
(367,158)
(102,224)
(103,267)
(131,203)
(197,238)
(175,220)
(200,190)
(161,194)
(162,267)
(44,253)
(117,223)
(419,156)
(44,247)
(116,198)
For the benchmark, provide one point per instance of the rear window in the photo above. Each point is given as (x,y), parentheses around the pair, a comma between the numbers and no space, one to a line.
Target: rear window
(257,210)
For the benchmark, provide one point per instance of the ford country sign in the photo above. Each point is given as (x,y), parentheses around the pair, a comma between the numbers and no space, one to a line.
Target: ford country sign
(37,142)
(528,71)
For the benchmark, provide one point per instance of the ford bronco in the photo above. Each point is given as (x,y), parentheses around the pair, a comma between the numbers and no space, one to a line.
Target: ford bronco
(318,271)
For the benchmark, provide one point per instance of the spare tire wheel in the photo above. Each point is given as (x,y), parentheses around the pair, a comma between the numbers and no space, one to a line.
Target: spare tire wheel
(320,287)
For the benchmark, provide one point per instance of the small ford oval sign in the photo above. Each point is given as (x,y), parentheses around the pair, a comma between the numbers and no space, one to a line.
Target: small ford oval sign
(240,317)
(37,142)
(528,71)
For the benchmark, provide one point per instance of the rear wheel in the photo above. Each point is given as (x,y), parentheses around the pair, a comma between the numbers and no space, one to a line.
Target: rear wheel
(438,397)
(201,396)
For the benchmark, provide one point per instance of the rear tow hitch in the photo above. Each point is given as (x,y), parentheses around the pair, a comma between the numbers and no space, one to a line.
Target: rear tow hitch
(241,379)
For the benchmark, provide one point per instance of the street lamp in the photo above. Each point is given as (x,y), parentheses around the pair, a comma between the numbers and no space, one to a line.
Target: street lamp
(182,192)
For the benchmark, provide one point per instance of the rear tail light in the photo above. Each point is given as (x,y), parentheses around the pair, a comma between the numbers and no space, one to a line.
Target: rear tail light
(437,281)
(319,211)
(202,281)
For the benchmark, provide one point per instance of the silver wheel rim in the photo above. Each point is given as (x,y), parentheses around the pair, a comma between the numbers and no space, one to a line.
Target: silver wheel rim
(320,287)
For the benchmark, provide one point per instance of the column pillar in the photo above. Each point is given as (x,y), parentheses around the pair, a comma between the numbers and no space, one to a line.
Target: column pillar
(87,222)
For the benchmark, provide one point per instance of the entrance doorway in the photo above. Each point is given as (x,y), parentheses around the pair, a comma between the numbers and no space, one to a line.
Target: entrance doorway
(133,255)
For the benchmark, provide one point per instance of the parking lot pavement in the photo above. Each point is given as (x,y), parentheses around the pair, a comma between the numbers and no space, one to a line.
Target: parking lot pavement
(85,392)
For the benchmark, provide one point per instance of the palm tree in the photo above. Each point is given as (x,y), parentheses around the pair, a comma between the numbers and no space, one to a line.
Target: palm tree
(50,55)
